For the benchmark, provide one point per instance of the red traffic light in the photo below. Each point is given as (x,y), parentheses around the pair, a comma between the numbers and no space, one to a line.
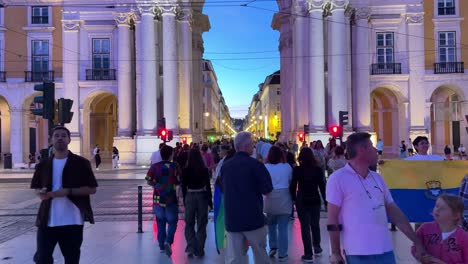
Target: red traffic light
(300,135)
(335,131)
(184,140)
(163,132)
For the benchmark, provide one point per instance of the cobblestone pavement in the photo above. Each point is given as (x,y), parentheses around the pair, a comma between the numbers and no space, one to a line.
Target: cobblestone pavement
(116,200)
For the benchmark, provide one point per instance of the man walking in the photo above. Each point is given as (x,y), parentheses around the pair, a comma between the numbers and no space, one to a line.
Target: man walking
(163,176)
(244,180)
(358,205)
(64,183)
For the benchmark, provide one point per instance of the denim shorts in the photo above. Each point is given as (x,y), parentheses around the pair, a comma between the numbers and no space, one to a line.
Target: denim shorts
(385,258)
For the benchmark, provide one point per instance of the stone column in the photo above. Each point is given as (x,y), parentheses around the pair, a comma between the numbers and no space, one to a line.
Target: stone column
(148,70)
(417,94)
(124,77)
(301,90)
(169,43)
(337,64)
(185,18)
(316,67)
(71,53)
(16,134)
(360,69)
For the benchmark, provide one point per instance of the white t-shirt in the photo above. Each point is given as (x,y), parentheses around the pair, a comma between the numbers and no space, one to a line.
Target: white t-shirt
(363,215)
(425,157)
(155,157)
(62,211)
(447,234)
(281,175)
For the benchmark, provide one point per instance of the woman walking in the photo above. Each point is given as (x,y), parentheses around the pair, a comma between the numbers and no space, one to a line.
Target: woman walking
(196,188)
(97,156)
(307,179)
(278,203)
(115,157)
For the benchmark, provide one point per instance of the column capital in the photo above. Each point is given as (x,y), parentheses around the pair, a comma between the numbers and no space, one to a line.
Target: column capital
(300,10)
(168,8)
(185,15)
(147,10)
(362,13)
(315,5)
(71,25)
(414,18)
(123,19)
(338,4)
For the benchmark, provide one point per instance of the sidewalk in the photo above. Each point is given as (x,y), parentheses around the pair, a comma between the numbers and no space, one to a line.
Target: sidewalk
(118,242)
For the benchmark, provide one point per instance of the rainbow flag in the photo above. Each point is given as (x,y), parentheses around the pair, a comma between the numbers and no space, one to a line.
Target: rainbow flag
(415,185)
(220,229)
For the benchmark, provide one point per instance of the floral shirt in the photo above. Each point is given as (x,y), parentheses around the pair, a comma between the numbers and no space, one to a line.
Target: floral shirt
(163,177)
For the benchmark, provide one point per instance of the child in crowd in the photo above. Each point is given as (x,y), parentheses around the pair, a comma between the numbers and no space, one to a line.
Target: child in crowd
(444,239)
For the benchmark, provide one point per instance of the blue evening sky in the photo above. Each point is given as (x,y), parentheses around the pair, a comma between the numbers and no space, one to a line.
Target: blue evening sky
(242,47)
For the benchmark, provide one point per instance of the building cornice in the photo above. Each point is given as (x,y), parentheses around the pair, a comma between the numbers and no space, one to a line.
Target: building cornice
(39,29)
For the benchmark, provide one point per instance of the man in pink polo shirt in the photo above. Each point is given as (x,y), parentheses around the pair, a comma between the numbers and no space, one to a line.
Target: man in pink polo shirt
(358,205)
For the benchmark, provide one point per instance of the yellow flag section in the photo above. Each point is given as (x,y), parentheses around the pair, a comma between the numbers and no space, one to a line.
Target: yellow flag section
(415,185)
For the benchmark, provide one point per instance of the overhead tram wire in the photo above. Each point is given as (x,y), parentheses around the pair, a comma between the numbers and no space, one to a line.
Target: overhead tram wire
(264,9)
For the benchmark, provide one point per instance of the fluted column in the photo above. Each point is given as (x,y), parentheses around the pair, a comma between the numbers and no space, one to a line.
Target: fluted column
(301,91)
(317,66)
(16,134)
(337,63)
(148,70)
(185,18)
(417,94)
(171,93)
(362,99)
(125,106)
(71,53)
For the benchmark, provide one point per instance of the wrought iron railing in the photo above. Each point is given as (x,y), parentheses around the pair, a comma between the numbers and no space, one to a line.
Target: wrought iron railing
(449,67)
(100,74)
(39,76)
(386,68)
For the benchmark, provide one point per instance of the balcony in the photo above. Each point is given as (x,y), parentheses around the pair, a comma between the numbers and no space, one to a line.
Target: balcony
(386,68)
(2,76)
(446,11)
(449,67)
(39,76)
(100,74)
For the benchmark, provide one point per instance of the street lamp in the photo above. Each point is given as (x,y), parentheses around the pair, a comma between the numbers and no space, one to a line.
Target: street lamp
(207,114)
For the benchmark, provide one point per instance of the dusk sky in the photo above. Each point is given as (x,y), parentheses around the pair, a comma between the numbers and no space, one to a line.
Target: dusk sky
(242,47)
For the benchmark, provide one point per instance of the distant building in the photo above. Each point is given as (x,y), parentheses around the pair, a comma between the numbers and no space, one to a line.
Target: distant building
(264,117)
(217,120)
(396,66)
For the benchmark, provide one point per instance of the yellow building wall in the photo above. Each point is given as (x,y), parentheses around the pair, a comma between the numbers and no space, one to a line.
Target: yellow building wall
(429,42)
(464,29)
(57,37)
(16,57)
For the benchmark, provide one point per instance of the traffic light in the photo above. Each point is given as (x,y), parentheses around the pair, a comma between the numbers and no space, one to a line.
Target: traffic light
(343,118)
(163,134)
(335,131)
(160,127)
(47,99)
(64,111)
(300,135)
(184,140)
(306,129)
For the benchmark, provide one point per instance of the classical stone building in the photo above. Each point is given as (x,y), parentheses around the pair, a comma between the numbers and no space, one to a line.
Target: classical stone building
(396,66)
(125,64)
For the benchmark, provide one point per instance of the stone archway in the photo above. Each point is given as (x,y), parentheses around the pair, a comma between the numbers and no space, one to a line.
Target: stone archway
(385,119)
(99,123)
(446,118)
(5,129)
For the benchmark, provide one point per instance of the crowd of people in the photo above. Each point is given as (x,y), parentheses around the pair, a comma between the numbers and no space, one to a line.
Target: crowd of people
(262,183)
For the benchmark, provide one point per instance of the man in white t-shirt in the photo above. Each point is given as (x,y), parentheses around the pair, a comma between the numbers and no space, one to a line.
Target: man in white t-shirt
(359,204)
(156,156)
(65,200)
(421,144)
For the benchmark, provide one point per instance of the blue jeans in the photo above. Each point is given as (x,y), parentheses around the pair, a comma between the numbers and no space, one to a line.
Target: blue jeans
(166,215)
(278,226)
(385,258)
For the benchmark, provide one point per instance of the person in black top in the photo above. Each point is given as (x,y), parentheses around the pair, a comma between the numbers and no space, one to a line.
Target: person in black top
(307,179)
(245,180)
(196,188)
